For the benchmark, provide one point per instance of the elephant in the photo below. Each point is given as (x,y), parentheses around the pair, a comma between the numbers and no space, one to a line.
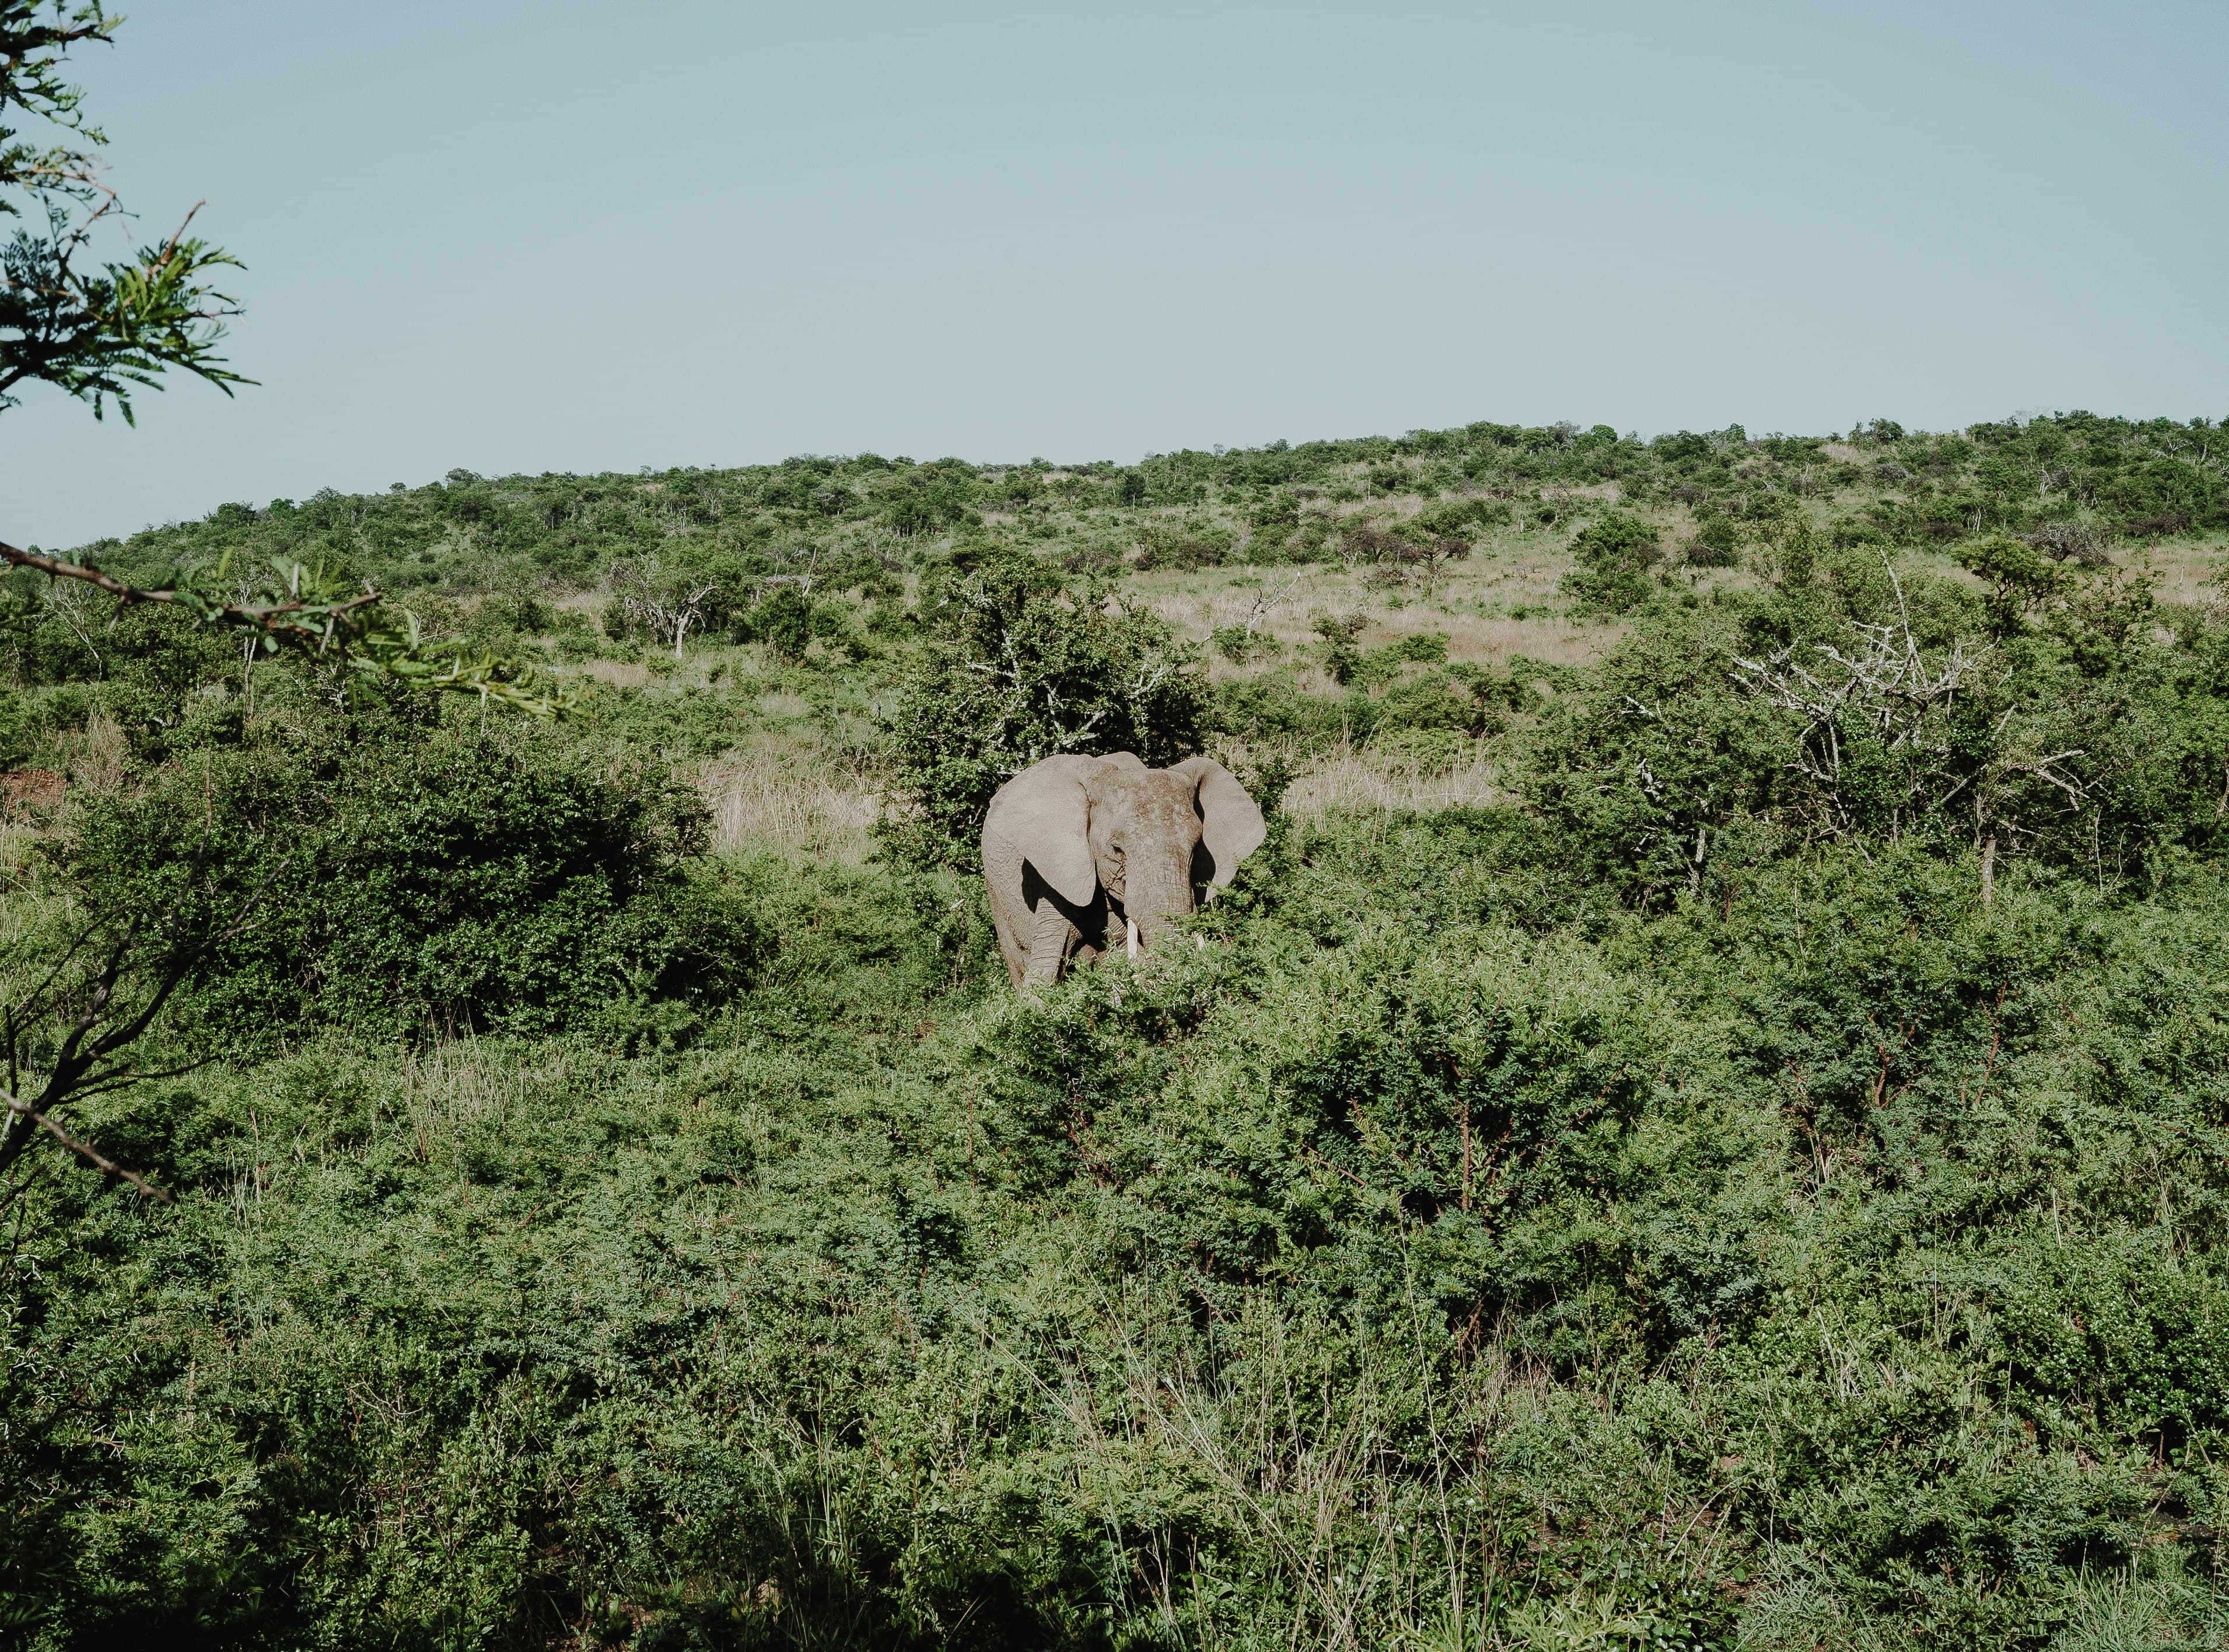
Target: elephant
(1084,856)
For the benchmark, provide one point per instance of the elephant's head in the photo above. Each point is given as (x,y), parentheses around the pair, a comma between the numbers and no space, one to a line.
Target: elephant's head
(1109,830)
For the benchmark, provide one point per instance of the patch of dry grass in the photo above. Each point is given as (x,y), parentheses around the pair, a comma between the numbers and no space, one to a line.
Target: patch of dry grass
(95,756)
(1201,603)
(782,705)
(794,802)
(617,672)
(1364,777)
(2186,572)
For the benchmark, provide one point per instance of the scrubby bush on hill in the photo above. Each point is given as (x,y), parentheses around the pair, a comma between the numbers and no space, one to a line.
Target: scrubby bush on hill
(1614,555)
(441,884)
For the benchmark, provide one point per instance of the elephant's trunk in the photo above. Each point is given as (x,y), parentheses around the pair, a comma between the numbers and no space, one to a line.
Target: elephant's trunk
(1153,902)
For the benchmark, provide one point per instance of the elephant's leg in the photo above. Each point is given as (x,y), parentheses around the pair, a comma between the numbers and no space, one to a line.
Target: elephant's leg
(1090,923)
(1010,909)
(1050,944)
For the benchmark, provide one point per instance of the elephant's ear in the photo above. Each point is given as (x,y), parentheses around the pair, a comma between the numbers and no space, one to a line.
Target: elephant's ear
(1043,813)
(1231,826)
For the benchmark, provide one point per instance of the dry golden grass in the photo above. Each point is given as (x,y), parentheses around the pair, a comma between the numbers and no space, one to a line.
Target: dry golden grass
(95,756)
(1199,604)
(2188,573)
(794,803)
(784,705)
(1363,777)
(617,673)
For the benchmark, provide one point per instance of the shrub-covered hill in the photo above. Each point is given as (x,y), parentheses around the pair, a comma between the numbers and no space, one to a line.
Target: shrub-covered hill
(1705,1126)
(2114,478)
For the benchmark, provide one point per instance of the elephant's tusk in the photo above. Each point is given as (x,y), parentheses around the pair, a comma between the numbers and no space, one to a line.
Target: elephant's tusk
(1132,924)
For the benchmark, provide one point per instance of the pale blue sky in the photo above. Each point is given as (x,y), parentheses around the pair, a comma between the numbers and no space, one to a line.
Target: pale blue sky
(569,236)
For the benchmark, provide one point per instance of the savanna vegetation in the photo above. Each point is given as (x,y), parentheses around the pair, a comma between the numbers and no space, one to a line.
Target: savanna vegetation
(1704,1126)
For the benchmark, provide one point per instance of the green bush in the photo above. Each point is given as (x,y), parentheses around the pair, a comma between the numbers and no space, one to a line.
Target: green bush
(1614,553)
(1014,667)
(782,619)
(454,884)
(1434,700)
(1238,645)
(1183,545)
(1424,647)
(19,729)
(1717,542)
(1273,707)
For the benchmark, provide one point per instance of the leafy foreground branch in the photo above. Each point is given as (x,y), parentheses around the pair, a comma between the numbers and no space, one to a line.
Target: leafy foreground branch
(301,614)
(95,329)
(306,612)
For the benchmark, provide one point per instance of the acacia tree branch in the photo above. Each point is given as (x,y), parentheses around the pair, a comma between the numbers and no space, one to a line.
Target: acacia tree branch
(87,1151)
(267,616)
(360,631)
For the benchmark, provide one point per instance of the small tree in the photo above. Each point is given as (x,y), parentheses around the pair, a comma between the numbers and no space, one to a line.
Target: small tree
(667,600)
(783,619)
(1017,666)
(1614,555)
(1430,555)
(2022,577)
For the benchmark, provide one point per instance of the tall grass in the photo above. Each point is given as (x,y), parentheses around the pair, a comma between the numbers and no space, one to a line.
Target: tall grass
(1348,776)
(798,802)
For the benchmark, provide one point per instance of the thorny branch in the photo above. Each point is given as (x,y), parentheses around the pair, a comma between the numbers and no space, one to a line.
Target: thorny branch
(87,1151)
(306,614)
(1887,687)
(1268,600)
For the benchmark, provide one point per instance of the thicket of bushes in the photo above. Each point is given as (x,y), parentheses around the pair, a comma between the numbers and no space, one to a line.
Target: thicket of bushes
(1852,1257)
(443,881)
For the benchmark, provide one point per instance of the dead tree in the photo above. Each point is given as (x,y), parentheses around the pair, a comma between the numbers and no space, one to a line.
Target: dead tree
(666,602)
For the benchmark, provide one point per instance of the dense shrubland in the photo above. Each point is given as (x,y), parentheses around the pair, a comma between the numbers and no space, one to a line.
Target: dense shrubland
(1758,1179)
